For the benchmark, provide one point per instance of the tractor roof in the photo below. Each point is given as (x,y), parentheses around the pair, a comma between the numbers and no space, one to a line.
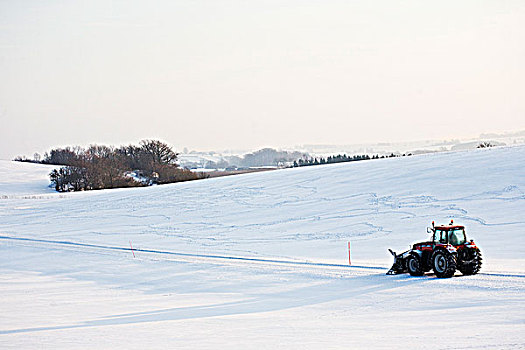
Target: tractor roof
(448,228)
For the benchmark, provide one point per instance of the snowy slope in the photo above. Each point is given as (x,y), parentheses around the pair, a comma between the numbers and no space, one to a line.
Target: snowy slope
(265,256)
(17,178)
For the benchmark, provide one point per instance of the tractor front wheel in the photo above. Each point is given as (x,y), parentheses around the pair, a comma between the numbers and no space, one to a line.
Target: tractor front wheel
(414,265)
(444,263)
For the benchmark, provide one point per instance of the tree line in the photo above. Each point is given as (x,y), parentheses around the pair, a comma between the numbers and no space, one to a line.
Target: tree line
(341,158)
(101,167)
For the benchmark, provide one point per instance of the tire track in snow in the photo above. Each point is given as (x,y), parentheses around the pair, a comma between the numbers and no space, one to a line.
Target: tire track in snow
(223,257)
(205,256)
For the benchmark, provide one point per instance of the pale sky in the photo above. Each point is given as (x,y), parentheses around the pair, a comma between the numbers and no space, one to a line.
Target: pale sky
(213,74)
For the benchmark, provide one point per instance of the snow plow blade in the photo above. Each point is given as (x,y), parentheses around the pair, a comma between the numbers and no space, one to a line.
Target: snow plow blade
(399,265)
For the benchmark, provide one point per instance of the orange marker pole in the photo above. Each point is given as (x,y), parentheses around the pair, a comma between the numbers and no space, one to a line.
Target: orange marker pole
(134,252)
(349,260)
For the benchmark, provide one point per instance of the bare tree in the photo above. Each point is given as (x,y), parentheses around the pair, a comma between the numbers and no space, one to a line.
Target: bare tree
(158,154)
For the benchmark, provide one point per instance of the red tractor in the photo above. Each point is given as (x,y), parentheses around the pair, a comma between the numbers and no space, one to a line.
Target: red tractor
(447,251)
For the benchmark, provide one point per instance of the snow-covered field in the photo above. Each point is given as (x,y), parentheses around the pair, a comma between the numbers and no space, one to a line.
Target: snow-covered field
(259,261)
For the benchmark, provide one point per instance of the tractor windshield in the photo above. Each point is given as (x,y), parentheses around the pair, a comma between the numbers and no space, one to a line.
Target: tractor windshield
(457,236)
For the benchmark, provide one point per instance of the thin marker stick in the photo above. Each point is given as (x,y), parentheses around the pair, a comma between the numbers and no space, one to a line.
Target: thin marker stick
(132,249)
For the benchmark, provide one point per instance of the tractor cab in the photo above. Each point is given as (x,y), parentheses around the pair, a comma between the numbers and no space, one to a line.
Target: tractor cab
(448,234)
(454,235)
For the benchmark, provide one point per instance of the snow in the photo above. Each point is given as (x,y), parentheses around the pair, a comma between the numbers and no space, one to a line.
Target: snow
(20,178)
(258,261)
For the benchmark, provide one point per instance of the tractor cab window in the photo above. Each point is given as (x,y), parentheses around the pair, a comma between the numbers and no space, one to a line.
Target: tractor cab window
(457,236)
(439,237)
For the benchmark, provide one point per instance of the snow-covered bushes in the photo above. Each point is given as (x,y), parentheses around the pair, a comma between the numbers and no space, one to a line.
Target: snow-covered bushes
(100,167)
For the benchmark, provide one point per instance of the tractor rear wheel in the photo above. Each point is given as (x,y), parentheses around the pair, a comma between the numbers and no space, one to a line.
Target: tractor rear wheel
(469,261)
(414,265)
(444,263)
